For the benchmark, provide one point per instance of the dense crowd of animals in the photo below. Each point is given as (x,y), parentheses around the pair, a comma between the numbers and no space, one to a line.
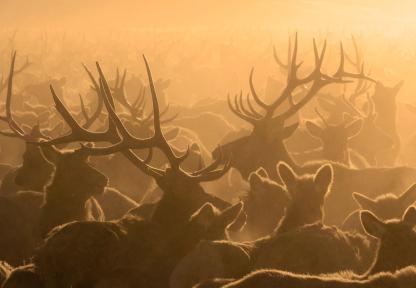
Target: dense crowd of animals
(126,190)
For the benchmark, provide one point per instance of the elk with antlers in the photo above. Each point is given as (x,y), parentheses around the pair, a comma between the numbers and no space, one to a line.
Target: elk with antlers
(264,146)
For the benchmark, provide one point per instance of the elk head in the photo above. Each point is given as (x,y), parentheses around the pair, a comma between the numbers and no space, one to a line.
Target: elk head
(396,240)
(335,137)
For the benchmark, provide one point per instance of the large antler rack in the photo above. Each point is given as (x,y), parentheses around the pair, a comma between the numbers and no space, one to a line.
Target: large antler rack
(315,81)
(121,140)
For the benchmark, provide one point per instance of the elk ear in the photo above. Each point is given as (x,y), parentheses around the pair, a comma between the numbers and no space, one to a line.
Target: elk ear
(354,128)
(286,173)
(255,180)
(314,129)
(205,215)
(171,134)
(323,178)
(289,130)
(409,216)
(397,87)
(229,215)
(239,222)
(363,201)
(262,172)
(408,197)
(372,225)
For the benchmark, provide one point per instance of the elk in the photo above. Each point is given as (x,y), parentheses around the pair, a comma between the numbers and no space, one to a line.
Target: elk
(299,235)
(386,108)
(269,132)
(182,191)
(264,204)
(335,139)
(393,265)
(72,183)
(372,141)
(385,207)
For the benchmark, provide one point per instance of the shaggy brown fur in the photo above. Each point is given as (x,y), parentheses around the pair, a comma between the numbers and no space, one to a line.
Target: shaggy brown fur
(385,207)
(136,250)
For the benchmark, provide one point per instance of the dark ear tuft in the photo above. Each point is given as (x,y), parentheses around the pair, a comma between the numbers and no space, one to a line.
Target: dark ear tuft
(313,129)
(409,216)
(323,179)
(286,173)
(371,224)
(363,201)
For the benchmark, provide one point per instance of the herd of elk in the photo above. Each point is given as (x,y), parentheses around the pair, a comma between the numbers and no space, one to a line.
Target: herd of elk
(118,193)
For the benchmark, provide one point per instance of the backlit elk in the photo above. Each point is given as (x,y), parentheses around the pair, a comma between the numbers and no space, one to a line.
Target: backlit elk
(269,130)
(385,207)
(73,182)
(182,191)
(394,265)
(138,122)
(335,140)
(372,141)
(265,147)
(386,108)
(39,167)
(66,197)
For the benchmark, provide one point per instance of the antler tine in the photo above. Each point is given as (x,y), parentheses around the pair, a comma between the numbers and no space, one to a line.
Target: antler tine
(15,72)
(16,130)
(254,93)
(162,143)
(140,100)
(371,107)
(349,104)
(277,59)
(342,73)
(83,108)
(250,106)
(211,167)
(243,108)
(357,61)
(321,117)
(214,174)
(236,111)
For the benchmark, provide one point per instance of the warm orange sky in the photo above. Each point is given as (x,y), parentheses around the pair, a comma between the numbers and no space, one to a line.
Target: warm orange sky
(321,14)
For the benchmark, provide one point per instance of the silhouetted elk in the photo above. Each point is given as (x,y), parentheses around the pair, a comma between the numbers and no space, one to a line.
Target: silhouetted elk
(129,251)
(264,205)
(299,235)
(372,141)
(386,108)
(264,147)
(182,191)
(395,252)
(269,129)
(385,207)
(73,181)
(335,140)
